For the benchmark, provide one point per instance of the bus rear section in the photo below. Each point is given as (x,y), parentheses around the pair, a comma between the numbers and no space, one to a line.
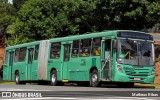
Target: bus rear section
(21,63)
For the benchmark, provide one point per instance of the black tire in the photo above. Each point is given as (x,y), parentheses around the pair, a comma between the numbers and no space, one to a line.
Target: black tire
(94,81)
(17,79)
(53,78)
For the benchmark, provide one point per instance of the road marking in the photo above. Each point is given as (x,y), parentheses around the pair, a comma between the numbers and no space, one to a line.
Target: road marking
(70,98)
(13,89)
(126,98)
(43,98)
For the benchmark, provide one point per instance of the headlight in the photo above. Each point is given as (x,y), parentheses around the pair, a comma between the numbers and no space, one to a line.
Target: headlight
(119,68)
(153,71)
(119,60)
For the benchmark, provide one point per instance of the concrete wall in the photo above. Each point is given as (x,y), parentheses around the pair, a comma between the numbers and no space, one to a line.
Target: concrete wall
(157,78)
(1,56)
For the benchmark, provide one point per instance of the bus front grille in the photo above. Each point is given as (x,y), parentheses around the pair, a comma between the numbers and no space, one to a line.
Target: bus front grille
(134,73)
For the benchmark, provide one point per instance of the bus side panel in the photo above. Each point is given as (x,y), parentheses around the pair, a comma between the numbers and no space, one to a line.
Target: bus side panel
(79,68)
(34,70)
(14,68)
(113,66)
(34,64)
(55,64)
(7,68)
(5,72)
(22,68)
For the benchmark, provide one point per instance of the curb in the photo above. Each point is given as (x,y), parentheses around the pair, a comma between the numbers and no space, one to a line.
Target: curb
(6,82)
(156,86)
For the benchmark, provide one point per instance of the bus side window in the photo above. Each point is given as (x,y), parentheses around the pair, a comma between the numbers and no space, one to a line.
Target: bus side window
(55,50)
(85,47)
(6,57)
(22,54)
(36,52)
(96,47)
(75,48)
(16,55)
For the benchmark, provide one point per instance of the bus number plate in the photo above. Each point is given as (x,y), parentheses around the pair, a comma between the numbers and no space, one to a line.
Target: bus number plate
(137,79)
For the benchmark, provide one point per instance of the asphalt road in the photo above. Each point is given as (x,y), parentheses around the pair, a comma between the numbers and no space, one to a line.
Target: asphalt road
(38,92)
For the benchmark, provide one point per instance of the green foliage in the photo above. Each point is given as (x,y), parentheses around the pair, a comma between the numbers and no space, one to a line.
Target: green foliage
(124,14)
(44,19)
(17,38)
(18,4)
(157,59)
(154,12)
(6,16)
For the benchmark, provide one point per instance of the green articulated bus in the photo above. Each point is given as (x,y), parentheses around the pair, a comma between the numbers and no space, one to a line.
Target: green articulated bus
(119,56)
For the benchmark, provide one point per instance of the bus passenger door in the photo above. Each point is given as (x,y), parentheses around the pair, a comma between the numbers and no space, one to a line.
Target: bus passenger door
(105,58)
(11,56)
(29,63)
(65,63)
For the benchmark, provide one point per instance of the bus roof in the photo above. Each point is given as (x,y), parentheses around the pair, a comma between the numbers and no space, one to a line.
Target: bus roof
(92,35)
(74,37)
(83,36)
(23,45)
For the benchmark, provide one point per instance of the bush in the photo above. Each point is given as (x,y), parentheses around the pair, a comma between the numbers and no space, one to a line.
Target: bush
(157,59)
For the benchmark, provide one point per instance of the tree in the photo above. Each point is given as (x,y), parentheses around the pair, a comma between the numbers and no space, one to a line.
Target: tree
(154,13)
(18,4)
(123,14)
(16,37)
(6,18)
(44,19)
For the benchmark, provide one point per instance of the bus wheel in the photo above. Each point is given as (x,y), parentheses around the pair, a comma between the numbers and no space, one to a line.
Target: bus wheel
(54,77)
(94,82)
(17,78)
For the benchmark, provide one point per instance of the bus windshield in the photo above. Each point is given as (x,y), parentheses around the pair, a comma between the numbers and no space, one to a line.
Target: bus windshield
(135,52)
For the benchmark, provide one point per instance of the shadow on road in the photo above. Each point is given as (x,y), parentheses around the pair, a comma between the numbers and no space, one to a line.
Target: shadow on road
(113,86)
(135,86)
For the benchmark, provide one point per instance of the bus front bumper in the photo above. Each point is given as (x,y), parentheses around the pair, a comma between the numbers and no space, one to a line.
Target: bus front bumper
(138,79)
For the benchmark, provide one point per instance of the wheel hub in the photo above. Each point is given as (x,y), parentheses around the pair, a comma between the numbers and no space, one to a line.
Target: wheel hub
(53,78)
(94,77)
(17,78)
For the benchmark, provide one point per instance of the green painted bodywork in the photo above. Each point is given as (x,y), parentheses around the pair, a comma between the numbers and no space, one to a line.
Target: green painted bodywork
(77,69)
(26,71)
(144,74)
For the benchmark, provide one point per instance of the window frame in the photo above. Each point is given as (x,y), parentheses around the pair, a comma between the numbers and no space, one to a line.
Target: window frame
(36,52)
(6,57)
(95,46)
(75,48)
(55,55)
(84,48)
(22,57)
(16,55)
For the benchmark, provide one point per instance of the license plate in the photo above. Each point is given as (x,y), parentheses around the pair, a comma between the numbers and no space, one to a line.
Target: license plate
(137,79)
